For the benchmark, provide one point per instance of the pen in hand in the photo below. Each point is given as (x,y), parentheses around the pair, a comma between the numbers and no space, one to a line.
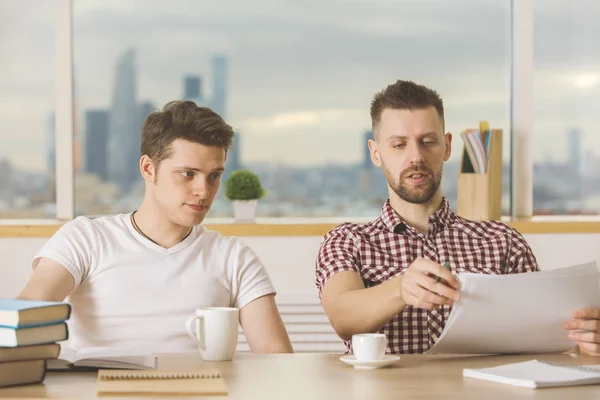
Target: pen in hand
(445,265)
(439,279)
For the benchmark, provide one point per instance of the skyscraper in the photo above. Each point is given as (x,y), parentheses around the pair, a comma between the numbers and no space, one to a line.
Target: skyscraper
(51,143)
(96,143)
(366,162)
(234,155)
(219,86)
(145,108)
(192,88)
(123,138)
(575,165)
(575,153)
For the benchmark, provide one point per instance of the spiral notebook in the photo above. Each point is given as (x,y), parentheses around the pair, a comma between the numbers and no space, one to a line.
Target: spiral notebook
(538,374)
(126,382)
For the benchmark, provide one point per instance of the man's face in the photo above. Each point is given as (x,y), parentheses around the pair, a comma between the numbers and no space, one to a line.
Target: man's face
(411,148)
(186,183)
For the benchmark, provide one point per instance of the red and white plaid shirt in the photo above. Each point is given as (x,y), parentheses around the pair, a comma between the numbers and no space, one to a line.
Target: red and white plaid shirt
(386,247)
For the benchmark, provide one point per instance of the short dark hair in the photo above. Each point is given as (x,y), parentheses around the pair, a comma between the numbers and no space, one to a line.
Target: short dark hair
(405,95)
(183,120)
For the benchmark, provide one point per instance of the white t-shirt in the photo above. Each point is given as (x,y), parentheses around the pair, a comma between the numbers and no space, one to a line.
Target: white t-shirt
(130,292)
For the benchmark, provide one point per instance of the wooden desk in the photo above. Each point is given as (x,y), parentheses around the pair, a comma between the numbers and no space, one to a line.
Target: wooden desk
(320,376)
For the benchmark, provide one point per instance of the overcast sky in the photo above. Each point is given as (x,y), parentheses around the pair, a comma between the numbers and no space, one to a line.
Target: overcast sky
(302,74)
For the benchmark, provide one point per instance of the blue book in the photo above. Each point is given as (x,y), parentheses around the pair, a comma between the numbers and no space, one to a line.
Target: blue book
(16,313)
(14,337)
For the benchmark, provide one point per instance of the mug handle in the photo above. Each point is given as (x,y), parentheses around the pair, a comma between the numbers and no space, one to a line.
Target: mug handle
(199,337)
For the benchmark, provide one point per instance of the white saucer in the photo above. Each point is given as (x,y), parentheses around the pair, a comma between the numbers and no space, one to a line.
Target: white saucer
(387,359)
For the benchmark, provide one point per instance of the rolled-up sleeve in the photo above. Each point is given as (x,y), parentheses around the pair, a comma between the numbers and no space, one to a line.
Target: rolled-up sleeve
(521,258)
(338,252)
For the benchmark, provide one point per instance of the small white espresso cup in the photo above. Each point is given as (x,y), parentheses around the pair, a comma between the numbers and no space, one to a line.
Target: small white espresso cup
(215,330)
(369,346)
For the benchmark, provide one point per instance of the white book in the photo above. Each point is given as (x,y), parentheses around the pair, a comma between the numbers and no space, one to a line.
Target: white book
(538,374)
(103,357)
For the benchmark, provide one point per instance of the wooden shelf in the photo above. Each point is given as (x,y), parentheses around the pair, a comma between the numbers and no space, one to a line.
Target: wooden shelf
(525,226)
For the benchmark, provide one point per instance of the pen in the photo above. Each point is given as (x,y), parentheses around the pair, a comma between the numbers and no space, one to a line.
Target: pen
(445,265)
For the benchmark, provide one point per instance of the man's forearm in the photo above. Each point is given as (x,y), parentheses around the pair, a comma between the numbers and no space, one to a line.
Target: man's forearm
(367,310)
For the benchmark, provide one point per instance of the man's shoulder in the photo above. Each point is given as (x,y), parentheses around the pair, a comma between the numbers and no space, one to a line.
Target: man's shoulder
(227,249)
(78,224)
(104,222)
(85,225)
(487,228)
(355,229)
(216,240)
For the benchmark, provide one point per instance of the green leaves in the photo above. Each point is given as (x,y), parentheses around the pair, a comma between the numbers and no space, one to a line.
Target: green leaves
(243,185)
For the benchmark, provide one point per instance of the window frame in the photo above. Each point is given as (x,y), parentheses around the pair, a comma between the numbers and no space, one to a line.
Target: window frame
(65,113)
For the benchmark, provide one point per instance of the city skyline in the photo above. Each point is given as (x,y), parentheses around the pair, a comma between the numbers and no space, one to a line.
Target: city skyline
(303,81)
(111,141)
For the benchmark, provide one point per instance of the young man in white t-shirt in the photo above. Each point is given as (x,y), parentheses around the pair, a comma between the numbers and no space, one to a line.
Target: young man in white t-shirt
(133,279)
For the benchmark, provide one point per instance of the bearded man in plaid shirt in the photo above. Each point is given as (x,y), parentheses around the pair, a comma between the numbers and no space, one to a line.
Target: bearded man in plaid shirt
(380,276)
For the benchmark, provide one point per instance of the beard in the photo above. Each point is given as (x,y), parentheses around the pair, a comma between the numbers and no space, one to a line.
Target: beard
(415,193)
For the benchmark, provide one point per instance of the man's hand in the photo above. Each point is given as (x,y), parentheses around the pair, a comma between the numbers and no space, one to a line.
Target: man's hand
(421,289)
(586,319)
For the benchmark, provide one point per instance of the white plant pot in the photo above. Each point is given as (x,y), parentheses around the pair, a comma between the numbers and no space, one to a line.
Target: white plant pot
(245,210)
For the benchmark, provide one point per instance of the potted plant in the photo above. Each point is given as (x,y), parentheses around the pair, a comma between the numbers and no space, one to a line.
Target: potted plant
(244,189)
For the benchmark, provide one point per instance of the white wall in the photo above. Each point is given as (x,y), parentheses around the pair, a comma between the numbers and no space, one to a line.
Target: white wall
(290,260)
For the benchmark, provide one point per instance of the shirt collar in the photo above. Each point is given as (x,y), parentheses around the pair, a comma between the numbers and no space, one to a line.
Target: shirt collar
(442,218)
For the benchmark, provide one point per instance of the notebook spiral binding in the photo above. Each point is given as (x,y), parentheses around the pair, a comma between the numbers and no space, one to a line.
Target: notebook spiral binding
(141,375)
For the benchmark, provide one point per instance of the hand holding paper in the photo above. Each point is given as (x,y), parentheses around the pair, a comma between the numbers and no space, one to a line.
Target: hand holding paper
(586,319)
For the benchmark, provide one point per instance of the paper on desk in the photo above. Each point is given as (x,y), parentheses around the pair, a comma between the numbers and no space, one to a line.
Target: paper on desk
(518,313)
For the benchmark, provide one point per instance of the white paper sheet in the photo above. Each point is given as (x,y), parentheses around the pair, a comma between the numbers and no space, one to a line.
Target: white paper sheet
(518,313)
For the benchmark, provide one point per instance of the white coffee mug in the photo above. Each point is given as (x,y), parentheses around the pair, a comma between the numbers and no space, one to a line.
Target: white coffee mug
(369,346)
(216,332)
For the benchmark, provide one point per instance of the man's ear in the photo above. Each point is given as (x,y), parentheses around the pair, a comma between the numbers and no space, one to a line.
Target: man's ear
(448,145)
(147,169)
(374,151)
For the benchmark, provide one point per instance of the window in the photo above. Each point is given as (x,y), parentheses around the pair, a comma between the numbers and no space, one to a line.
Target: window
(565,147)
(294,79)
(27,152)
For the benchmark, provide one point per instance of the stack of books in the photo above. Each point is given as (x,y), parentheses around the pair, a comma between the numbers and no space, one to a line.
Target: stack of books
(29,331)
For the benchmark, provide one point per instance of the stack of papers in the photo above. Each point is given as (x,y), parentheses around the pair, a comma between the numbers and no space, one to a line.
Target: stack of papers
(518,313)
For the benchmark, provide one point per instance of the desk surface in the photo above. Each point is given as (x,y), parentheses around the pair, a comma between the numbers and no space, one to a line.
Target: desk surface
(324,376)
